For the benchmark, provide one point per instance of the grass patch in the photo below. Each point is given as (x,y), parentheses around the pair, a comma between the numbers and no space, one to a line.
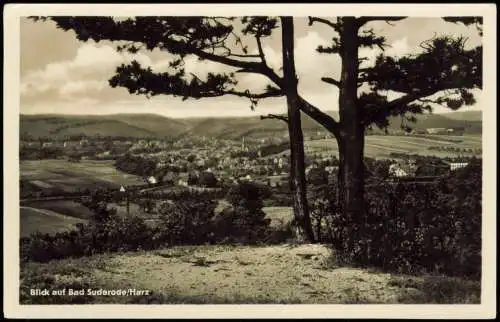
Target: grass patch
(64,207)
(380,146)
(33,220)
(437,290)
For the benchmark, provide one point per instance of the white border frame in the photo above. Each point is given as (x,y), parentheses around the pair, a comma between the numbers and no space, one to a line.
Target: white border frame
(12,308)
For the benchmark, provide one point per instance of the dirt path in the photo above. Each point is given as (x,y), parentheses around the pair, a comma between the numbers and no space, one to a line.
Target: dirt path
(242,274)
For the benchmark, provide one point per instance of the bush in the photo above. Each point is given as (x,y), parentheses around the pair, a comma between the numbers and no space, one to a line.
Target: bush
(321,200)
(244,221)
(106,232)
(432,228)
(187,221)
(241,225)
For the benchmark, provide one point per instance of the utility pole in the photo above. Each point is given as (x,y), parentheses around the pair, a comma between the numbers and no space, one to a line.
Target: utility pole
(122,189)
(128,204)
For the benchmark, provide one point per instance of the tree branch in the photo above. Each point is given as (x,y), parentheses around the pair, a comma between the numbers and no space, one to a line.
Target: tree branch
(319,116)
(323,21)
(407,99)
(255,67)
(363,20)
(331,81)
(423,100)
(274,93)
(243,56)
(274,116)
(261,51)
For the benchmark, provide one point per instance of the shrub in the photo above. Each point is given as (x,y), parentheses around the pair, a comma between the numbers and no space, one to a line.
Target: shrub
(244,221)
(241,225)
(411,227)
(187,221)
(321,200)
(105,233)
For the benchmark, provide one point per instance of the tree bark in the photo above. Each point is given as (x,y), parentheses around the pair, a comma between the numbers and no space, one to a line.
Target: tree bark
(304,231)
(351,141)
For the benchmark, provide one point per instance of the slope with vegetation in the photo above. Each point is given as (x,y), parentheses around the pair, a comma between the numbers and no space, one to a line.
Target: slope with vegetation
(156,126)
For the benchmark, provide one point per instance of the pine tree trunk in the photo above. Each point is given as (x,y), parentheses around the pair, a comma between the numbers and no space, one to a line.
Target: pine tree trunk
(352,129)
(340,174)
(304,231)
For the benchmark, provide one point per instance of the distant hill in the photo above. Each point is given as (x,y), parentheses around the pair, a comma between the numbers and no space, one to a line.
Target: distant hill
(465,115)
(448,120)
(151,125)
(129,125)
(237,127)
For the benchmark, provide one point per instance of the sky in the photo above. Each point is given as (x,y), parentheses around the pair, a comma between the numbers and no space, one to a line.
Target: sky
(61,75)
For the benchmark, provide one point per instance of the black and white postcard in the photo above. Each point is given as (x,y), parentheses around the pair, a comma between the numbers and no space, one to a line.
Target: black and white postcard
(250,160)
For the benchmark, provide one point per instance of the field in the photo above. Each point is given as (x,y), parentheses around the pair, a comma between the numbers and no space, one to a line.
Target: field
(45,221)
(284,274)
(381,146)
(51,216)
(67,208)
(68,176)
(279,216)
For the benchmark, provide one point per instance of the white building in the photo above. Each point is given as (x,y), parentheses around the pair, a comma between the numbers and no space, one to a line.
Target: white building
(436,130)
(457,165)
(331,169)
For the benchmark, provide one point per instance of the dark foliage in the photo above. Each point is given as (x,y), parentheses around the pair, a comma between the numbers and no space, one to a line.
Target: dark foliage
(39,153)
(412,227)
(187,221)
(136,165)
(190,220)
(106,232)
(274,148)
(244,221)
(208,179)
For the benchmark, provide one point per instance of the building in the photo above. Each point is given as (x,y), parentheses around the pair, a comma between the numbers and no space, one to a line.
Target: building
(458,165)
(70,144)
(152,180)
(331,168)
(170,177)
(246,178)
(437,130)
(402,169)
(311,167)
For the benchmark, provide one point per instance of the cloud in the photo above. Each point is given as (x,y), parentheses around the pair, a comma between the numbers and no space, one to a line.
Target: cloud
(60,72)
(309,63)
(89,69)
(398,48)
(82,87)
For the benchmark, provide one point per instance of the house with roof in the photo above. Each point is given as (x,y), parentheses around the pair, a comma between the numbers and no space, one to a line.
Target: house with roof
(437,130)
(151,180)
(170,177)
(403,169)
(457,165)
